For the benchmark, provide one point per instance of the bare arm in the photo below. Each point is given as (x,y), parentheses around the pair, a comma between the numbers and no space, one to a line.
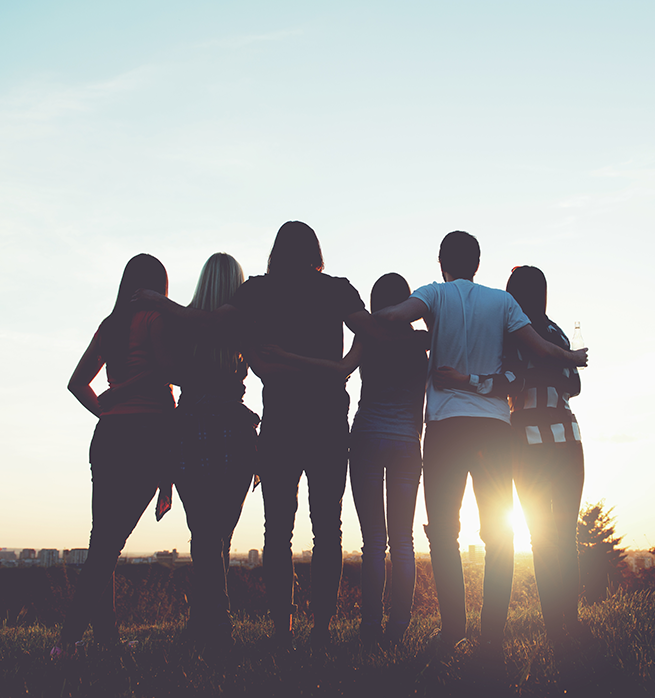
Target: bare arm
(494,385)
(86,370)
(226,314)
(408,311)
(529,338)
(341,368)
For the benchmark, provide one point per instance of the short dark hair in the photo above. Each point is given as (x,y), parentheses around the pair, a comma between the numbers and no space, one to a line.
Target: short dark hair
(296,249)
(459,255)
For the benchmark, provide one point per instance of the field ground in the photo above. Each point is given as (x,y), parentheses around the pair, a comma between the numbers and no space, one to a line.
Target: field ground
(617,661)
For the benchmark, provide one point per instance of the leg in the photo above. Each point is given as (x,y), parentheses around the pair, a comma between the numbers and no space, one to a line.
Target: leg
(492,484)
(533,477)
(367,482)
(280,476)
(125,457)
(445,469)
(567,494)
(213,497)
(403,474)
(326,478)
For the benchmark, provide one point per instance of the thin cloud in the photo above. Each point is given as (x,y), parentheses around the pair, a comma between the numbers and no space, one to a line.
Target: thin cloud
(249,39)
(40,103)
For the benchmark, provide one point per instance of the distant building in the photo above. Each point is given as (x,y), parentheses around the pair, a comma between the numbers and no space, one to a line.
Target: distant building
(253,557)
(76,556)
(7,555)
(476,554)
(166,558)
(27,554)
(48,557)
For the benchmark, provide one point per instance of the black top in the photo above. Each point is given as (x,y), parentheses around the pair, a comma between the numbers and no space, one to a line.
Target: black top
(303,315)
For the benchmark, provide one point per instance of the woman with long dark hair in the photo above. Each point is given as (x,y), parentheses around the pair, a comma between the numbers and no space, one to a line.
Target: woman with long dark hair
(130,446)
(549,462)
(215,435)
(385,446)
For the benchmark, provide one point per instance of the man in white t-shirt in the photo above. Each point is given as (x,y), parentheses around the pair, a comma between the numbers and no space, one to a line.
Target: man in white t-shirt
(467,432)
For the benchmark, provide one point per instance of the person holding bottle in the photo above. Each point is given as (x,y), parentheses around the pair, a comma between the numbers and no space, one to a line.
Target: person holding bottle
(549,461)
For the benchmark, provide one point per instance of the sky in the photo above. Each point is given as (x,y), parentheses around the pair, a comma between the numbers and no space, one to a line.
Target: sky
(187,129)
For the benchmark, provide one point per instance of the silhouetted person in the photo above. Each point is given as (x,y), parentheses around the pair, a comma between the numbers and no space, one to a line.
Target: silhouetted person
(468,432)
(214,451)
(130,447)
(549,463)
(386,449)
(305,421)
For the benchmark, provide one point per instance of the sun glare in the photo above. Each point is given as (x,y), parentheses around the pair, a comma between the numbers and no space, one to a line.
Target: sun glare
(521,531)
(470,523)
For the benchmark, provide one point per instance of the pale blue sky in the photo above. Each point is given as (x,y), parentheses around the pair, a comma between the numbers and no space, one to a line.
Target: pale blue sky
(182,130)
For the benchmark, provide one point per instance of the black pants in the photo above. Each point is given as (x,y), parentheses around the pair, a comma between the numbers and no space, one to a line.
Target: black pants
(549,479)
(454,448)
(286,451)
(215,459)
(128,456)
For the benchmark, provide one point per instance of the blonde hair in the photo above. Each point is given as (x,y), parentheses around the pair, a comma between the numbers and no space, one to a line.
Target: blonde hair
(219,279)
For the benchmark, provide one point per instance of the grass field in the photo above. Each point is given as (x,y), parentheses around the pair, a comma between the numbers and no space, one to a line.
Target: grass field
(617,661)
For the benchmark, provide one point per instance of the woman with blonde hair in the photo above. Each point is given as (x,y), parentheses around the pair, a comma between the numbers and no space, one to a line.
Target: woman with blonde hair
(216,443)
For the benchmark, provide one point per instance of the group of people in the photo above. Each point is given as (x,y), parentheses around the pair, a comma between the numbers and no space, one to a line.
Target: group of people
(483,347)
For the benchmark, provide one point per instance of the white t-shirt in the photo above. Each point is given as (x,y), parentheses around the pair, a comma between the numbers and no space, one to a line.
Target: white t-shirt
(468,323)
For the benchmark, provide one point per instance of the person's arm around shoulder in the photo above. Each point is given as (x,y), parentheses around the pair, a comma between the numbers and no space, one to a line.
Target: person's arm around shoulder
(86,370)
(341,369)
(152,300)
(408,311)
(530,339)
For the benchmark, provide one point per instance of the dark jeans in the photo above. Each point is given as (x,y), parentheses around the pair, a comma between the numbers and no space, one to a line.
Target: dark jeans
(371,458)
(322,454)
(213,497)
(454,448)
(549,479)
(128,455)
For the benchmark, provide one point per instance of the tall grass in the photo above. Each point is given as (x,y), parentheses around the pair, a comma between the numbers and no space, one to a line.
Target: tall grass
(618,659)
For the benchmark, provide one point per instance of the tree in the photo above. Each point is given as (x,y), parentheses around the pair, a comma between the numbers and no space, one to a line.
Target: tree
(602,562)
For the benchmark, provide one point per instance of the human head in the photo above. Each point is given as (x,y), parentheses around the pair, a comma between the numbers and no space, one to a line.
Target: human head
(459,255)
(296,249)
(528,286)
(142,271)
(389,289)
(219,279)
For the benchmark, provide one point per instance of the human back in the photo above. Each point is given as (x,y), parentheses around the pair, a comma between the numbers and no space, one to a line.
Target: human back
(469,323)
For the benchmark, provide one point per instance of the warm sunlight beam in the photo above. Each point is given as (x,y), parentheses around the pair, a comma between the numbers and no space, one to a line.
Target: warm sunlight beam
(470,523)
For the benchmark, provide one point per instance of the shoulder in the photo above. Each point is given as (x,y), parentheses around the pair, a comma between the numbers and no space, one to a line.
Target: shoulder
(428,292)
(253,286)
(340,288)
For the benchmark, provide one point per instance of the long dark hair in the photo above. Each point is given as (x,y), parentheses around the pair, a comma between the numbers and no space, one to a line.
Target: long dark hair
(389,289)
(142,271)
(529,288)
(387,360)
(296,250)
